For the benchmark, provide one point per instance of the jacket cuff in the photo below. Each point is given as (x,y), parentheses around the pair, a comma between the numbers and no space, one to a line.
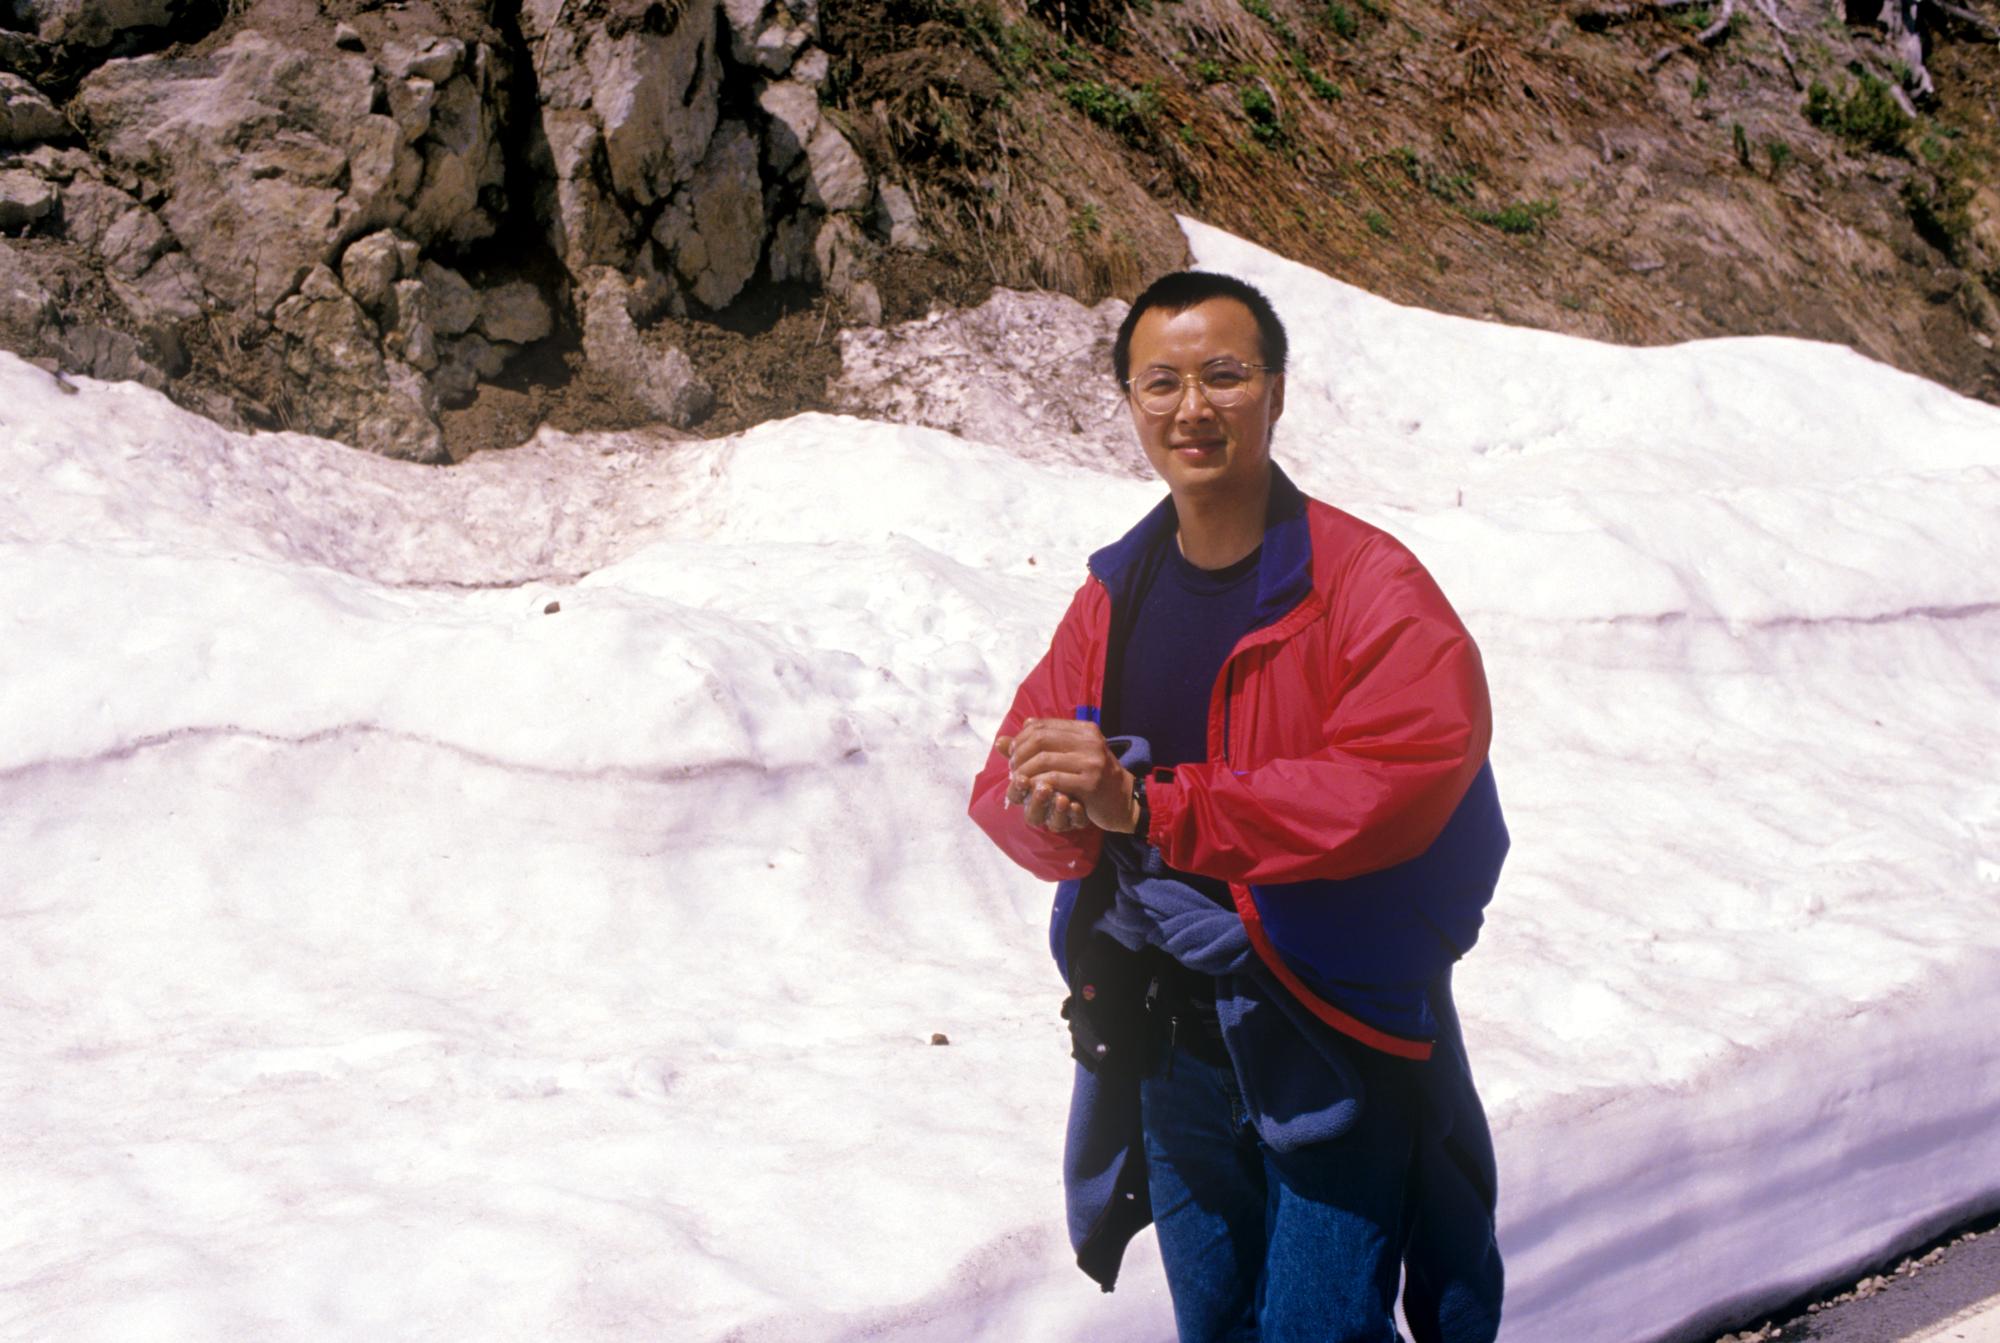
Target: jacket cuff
(1164,801)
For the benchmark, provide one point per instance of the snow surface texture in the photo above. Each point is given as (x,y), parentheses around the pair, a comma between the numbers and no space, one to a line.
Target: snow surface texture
(385,957)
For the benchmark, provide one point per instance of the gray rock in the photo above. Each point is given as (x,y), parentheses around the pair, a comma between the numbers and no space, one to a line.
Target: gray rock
(836,178)
(347,39)
(346,389)
(768,35)
(90,208)
(169,292)
(664,381)
(777,45)
(369,269)
(25,198)
(515,313)
(840,252)
(896,219)
(625,119)
(464,363)
(26,307)
(57,163)
(26,117)
(410,104)
(409,334)
(95,23)
(720,251)
(656,99)
(435,58)
(114,356)
(255,140)
(812,68)
(462,156)
(791,254)
(793,109)
(453,305)
(134,241)
(584,225)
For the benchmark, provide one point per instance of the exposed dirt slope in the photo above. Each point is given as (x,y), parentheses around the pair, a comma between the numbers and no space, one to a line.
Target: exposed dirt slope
(1538,163)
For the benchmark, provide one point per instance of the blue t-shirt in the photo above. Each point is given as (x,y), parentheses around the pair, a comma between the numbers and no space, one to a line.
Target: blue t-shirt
(1185,624)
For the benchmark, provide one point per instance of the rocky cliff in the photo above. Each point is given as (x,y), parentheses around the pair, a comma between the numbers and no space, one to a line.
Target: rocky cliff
(423,227)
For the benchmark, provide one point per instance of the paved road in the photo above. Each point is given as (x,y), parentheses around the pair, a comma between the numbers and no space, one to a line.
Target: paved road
(1954,1299)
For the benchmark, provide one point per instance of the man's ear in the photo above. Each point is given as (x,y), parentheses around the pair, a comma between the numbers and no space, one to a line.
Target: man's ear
(1277,396)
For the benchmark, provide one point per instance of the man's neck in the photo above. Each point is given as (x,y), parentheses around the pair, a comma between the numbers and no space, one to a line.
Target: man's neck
(1216,531)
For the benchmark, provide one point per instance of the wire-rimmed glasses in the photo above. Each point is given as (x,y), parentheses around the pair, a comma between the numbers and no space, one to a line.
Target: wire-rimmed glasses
(1224,383)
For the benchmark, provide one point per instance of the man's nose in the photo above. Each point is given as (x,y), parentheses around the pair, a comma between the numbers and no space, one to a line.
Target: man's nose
(1194,404)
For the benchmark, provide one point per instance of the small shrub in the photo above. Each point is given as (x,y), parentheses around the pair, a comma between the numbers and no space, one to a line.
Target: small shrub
(1124,112)
(1341,19)
(1263,114)
(1321,86)
(1378,224)
(1700,87)
(1521,217)
(1739,140)
(1085,222)
(1867,115)
(1779,153)
(1940,212)
(1208,71)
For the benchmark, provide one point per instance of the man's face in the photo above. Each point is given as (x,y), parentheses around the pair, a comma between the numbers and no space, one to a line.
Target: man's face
(1199,448)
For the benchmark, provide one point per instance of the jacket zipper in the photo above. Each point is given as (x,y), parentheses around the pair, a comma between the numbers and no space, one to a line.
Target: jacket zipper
(1228,700)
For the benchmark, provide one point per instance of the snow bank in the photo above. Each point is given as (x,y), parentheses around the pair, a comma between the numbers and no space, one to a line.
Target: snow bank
(389,956)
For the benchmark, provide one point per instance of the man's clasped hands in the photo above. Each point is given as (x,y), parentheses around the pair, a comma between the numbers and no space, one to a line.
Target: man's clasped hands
(1065,777)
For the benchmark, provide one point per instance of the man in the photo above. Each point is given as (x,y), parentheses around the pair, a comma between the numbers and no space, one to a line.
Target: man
(1254,755)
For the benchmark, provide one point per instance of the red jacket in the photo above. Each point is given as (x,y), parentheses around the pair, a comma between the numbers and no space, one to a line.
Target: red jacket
(1346,734)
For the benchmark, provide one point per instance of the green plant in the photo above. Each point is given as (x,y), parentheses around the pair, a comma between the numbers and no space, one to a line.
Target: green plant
(1126,112)
(1263,114)
(1518,218)
(1739,140)
(1378,224)
(1447,187)
(1341,19)
(1940,211)
(1085,222)
(1262,10)
(1321,86)
(1700,87)
(1779,153)
(1208,71)
(1867,114)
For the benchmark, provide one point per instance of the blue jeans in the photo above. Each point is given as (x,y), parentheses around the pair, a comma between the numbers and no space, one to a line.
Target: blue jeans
(1269,1247)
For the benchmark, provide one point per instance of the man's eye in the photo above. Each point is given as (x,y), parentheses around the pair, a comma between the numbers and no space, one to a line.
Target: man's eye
(1159,382)
(1224,378)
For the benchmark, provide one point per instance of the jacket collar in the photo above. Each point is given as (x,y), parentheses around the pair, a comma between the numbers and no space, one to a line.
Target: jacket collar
(1284,569)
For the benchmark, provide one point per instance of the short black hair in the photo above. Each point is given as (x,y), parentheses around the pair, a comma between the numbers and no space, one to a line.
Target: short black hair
(1183,289)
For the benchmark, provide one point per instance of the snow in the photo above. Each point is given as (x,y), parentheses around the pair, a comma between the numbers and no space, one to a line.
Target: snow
(387,956)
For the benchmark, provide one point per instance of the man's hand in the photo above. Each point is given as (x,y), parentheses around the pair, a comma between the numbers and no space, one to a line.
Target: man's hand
(1067,777)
